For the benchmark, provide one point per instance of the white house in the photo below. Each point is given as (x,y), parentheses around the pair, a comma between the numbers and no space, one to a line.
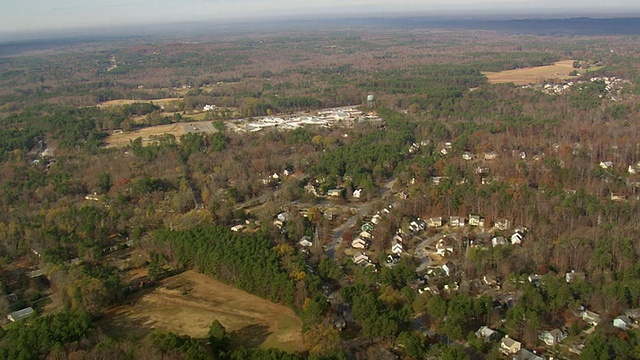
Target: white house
(448,268)
(376,219)
(305,241)
(606,164)
(498,240)
(237,228)
(516,238)
(622,322)
(357,193)
(365,235)
(417,225)
(397,248)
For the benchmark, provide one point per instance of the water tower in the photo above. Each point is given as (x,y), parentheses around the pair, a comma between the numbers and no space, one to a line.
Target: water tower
(371,101)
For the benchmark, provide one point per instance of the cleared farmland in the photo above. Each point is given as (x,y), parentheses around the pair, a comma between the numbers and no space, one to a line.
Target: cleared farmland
(187,304)
(559,70)
(177,129)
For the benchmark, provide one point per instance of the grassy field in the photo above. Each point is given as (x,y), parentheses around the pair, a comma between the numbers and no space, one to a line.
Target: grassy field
(177,130)
(159,102)
(559,70)
(187,304)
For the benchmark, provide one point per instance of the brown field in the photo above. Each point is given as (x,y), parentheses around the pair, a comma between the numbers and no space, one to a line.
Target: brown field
(177,130)
(559,70)
(187,304)
(159,102)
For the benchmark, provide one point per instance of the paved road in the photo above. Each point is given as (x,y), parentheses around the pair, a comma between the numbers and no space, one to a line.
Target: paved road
(363,211)
(420,253)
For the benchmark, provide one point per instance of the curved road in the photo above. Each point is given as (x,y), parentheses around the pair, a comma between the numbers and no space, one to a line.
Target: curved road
(364,210)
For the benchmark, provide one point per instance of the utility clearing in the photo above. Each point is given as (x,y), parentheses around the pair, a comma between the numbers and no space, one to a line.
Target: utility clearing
(189,302)
(559,70)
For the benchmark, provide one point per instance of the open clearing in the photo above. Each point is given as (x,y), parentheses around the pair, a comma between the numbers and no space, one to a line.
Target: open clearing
(118,139)
(559,70)
(187,304)
(159,102)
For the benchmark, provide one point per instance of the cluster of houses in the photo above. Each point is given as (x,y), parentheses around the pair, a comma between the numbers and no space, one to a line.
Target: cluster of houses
(611,85)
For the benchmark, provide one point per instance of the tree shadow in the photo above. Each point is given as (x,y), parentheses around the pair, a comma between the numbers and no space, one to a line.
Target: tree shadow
(251,336)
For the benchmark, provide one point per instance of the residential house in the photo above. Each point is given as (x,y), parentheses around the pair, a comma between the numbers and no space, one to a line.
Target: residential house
(449,268)
(476,220)
(451,287)
(591,318)
(535,279)
(365,235)
(622,322)
(467,156)
(305,241)
(502,224)
(368,227)
(417,225)
(376,219)
(361,259)
(456,221)
(487,334)
(490,280)
(392,260)
(525,354)
(335,192)
(606,164)
(517,238)
(509,346)
(435,222)
(359,243)
(553,337)
(397,238)
(492,155)
(618,197)
(574,275)
(498,240)
(357,193)
(444,248)
(503,301)
(20,314)
(435,180)
(634,169)
(237,228)
(397,248)
(482,171)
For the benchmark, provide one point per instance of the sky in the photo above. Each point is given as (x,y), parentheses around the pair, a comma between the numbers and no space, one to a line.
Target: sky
(24,16)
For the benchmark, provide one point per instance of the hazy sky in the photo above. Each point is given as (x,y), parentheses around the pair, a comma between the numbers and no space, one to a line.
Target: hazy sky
(19,16)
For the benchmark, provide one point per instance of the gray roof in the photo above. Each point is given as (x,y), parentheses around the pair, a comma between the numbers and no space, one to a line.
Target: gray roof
(20,314)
